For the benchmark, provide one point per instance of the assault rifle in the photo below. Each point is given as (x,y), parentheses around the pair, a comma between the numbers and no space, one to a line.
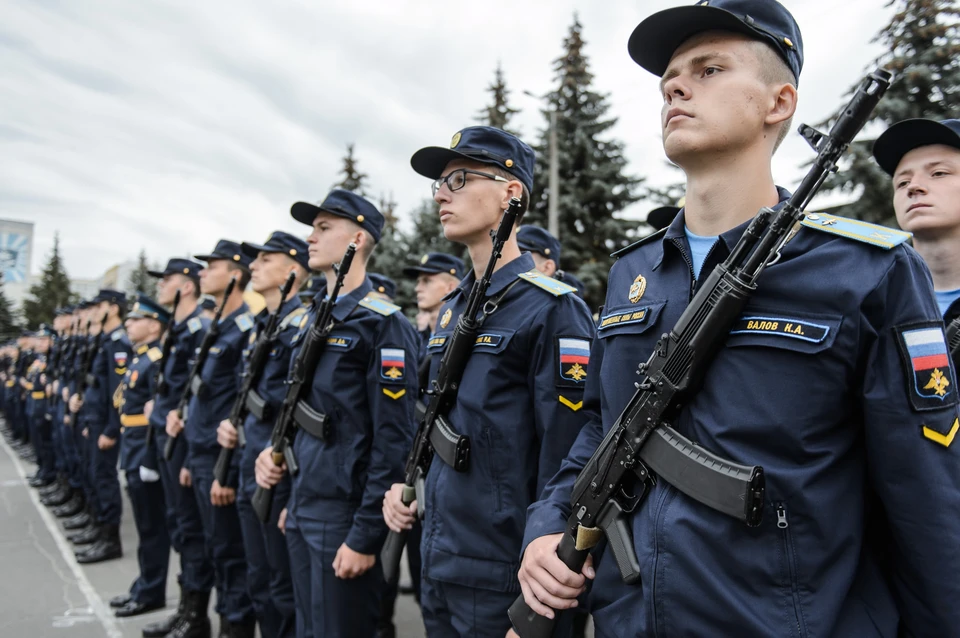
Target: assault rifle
(161,381)
(295,411)
(88,357)
(641,445)
(434,431)
(248,399)
(193,381)
(953,338)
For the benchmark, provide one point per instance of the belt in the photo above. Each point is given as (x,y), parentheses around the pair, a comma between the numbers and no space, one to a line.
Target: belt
(259,407)
(11,383)
(133,420)
(452,448)
(196,386)
(312,422)
(39,395)
(93,381)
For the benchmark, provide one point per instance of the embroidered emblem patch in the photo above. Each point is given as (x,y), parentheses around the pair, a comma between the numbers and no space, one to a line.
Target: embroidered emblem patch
(445,319)
(120,358)
(391,364)
(637,289)
(943,439)
(488,341)
(795,328)
(339,342)
(930,379)
(634,316)
(573,361)
(194,324)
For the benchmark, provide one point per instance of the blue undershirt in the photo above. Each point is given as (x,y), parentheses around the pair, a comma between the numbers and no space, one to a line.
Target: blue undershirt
(945,298)
(699,247)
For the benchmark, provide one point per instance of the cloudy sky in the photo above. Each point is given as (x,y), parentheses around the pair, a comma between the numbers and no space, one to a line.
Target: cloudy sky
(166,125)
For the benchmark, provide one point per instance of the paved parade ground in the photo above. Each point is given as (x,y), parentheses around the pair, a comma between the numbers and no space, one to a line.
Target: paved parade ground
(45,592)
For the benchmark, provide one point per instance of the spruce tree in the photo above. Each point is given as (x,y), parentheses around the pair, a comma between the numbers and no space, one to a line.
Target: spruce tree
(9,327)
(51,292)
(391,256)
(594,185)
(922,43)
(352,179)
(140,279)
(499,113)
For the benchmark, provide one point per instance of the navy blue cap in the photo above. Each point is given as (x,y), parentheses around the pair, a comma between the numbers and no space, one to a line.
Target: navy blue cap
(661,217)
(483,144)
(63,310)
(903,137)
(539,240)
(43,331)
(280,242)
(315,284)
(383,284)
(434,263)
(657,38)
(146,308)
(83,304)
(111,296)
(342,203)
(229,250)
(178,266)
(207,302)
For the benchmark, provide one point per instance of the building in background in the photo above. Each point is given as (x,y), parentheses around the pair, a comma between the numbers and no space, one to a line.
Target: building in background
(16,249)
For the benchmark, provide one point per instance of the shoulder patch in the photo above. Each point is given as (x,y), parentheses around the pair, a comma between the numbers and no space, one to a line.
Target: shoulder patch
(379,306)
(927,367)
(155,354)
(117,335)
(244,322)
(865,232)
(573,361)
(554,286)
(194,324)
(392,365)
(640,242)
(295,318)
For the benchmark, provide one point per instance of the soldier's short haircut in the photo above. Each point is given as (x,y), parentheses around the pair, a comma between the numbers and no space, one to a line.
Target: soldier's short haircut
(774,70)
(244,278)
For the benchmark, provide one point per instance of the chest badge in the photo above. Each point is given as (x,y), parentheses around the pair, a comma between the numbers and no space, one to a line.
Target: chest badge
(637,289)
(445,319)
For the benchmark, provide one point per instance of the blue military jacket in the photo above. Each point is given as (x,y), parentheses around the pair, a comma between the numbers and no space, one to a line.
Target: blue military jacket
(520,405)
(109,368)
(36,399)
(187,336)
(366,383)
(824,383)
(137,388)
(221,382)
(271,386)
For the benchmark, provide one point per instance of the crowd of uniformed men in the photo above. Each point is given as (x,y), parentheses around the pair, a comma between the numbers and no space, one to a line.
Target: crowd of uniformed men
(838,380)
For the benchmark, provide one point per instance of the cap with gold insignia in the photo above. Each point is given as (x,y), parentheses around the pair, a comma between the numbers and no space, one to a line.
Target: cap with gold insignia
(435,263)
(229,250)
(111,296)
(342,203)
(903,137)
(178,266)
(283,243)
(146,308)
(539,240)
(483,144)
(655,40)
(383,284)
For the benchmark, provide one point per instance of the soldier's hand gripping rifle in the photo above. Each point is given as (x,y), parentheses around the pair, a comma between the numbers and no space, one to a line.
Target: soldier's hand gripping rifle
(251,377)
(161,381)
(193,381)
(299,384)
(641,445)
(88,356)
(434,425)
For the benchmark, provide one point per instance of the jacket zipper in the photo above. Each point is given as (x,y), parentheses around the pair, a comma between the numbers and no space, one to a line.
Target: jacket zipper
(784,526)
(656,557)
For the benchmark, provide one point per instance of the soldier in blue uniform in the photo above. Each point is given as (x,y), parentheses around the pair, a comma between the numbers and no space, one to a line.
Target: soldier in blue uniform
(365,383)
(923,158)
(825,382)
(522,392)
(102,423)
(545,250)
(383,287)
(35,403)
(144,326)
(268,562)
(437,275)
(216,387)
(183,517)
(66,449)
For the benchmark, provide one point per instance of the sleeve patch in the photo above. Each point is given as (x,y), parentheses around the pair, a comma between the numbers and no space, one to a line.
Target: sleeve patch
(573,361)
(395,395)
(926,361)
(194,324)
(575,406)
(120,359)
(392,364)
(944,440)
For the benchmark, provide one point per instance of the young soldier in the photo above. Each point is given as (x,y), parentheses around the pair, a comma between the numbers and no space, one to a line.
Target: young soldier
(521,398)
(268,562)
(144,325)
(545,250)
(923,157)
(213,395)
(862,483)
(183,519)
(365,385)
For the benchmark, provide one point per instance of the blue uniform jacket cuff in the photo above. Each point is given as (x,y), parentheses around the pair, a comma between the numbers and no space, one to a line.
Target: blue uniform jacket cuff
(543,519)
(111,432)
(365,540)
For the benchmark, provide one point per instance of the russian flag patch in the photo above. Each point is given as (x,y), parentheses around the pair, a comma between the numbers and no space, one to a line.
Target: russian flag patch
(930,378)
(573,361)
(392,364)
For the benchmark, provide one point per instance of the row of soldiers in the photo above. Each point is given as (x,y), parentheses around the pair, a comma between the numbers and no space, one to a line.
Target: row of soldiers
(273,452)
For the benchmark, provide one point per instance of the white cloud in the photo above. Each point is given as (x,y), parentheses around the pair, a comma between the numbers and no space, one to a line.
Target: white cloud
(168,125)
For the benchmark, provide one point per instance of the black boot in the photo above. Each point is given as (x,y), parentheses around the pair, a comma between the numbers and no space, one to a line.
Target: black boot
(58,497)
(245,629)
(162,627)
(107,548)
(38,481)
(86,535)
(57,485)
(78,520)
(194,623)
(71,508)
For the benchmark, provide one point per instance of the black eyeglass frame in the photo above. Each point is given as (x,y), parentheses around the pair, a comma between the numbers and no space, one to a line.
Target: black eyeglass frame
(438,183)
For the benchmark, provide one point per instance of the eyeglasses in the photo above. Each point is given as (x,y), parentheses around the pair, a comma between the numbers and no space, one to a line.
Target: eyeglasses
(458,179)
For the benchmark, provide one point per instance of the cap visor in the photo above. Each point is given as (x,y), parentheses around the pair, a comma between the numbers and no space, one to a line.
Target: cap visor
(416,271)
(431,161)
(655,40)
(252,250)
(304,212)
(159,274)
(207,258)
(903,137)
